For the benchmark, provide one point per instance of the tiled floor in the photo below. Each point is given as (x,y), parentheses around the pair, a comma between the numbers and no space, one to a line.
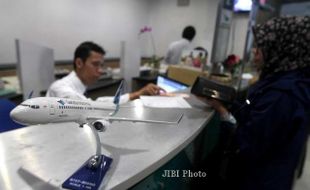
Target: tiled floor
(304,182)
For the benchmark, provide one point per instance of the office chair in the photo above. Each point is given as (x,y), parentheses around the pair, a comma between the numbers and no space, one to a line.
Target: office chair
(6,123)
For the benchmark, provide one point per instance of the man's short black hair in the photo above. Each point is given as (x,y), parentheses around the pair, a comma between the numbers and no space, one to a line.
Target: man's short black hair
(84,49)
(189,33)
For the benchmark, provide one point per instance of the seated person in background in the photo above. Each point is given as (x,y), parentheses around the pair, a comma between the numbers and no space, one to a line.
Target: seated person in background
(176,48)
(266,144)
(87,63)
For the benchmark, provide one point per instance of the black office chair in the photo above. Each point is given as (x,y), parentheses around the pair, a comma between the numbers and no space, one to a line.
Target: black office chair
(6,123)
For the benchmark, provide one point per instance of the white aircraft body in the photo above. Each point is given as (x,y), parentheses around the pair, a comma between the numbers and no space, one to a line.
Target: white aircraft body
(43,110)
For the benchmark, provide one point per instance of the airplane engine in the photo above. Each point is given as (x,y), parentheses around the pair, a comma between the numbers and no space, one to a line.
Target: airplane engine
(101,125)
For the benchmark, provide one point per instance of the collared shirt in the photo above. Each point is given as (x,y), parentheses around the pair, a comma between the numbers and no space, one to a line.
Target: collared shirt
(72,87)
(175,51)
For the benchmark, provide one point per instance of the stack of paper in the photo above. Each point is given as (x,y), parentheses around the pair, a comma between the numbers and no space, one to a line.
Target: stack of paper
(164,102)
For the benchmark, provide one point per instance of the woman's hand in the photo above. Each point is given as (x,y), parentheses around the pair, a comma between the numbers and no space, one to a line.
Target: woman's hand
(217,105)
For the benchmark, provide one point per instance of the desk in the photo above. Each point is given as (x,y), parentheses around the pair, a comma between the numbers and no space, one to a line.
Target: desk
(43,156)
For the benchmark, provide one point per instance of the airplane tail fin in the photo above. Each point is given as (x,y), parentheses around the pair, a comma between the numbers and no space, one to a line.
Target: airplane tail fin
(117,98)
(30,95)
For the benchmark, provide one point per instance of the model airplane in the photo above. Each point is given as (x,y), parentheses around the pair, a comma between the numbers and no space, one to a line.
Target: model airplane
(97,115)
(43,110)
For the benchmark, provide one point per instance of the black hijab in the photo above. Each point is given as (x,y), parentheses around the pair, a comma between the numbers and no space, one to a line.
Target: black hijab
(285,43)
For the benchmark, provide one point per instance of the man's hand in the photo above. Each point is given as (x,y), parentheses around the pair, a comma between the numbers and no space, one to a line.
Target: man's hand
(150,89)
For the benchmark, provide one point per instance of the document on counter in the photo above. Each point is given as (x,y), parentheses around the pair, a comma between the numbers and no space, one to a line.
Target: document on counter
(164,102)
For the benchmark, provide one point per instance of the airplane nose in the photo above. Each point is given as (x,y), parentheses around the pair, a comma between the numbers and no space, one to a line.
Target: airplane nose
(17,115)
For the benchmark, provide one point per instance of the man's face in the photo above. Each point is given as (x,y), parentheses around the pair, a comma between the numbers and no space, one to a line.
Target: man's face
(90,70)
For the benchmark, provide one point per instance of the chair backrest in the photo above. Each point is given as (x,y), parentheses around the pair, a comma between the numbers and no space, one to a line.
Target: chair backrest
(6,123)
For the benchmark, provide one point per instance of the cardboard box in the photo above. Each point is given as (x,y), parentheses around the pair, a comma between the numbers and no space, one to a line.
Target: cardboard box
(185,74)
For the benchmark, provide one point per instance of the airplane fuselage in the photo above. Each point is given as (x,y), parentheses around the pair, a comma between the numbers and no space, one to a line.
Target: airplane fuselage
(44,110)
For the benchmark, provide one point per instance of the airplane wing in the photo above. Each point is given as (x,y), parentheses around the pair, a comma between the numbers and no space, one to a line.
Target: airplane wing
(111,119)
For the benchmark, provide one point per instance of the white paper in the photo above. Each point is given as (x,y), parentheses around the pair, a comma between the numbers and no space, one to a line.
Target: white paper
(164,102)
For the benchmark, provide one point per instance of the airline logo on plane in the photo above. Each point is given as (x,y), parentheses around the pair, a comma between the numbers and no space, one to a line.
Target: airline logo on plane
(61,102)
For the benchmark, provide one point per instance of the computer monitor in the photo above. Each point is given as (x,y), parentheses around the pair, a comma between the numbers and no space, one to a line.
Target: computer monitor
(170,85)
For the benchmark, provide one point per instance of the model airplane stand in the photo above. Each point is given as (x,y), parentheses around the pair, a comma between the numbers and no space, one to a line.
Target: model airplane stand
(90,175)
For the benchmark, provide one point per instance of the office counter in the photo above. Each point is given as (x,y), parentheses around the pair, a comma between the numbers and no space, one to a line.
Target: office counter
(44,156)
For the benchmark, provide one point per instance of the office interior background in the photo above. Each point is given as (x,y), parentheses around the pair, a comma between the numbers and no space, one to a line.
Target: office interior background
(63,24)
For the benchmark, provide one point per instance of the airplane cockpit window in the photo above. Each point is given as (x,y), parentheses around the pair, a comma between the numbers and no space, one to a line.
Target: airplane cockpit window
(35,107)
(31,106)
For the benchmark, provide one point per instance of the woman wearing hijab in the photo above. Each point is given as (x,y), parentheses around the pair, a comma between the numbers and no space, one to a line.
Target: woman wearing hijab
(270,127)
